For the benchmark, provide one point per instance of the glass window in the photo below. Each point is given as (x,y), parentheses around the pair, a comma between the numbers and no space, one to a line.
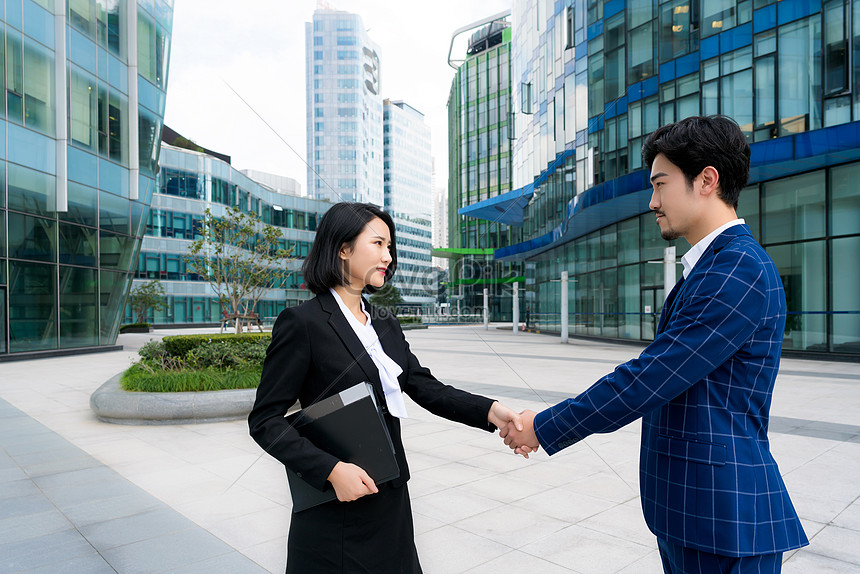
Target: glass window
(32,306)
(717,15)
(799,76)
(39,88)
(835,47)
(710,69)
(110,21)
(79,320)
(32,238)
(765,43)
(793,208)
(676,35)
(845,200)
(629,301)
(78,245)
(112,290)
(737,60)
(113,213)
(802,269)
(14,76)
(737,99)
(845,284)
(83,109)
(639,12)
(765,98)
(82,205)
(748,209)
(115,250)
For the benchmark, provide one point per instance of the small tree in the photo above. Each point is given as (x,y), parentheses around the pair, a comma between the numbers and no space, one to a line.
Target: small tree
(240,257)
(146,296)
(388,297)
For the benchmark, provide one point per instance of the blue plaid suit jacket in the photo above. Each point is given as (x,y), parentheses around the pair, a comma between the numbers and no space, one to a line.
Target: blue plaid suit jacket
(703,388)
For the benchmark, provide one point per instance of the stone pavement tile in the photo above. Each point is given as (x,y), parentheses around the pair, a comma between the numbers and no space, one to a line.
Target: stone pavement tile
(816,508)
(838,543)
(271,555)
(606,485)
(452,505)
(420,486)
(24,505)
(32,525)
(134,528)
(85,512)
(564,504)
(517,561)
(169,551)
(17,488)
(231,502)
(650,564)
(511,525)
(807,562)
(42,550)
(251,529)
(232,563)
(455,473)
(501,487)
(55,461)
(91,563)
(462,550)
(589,552)
(850,517)
(624,521)
(72,494)
(423,524)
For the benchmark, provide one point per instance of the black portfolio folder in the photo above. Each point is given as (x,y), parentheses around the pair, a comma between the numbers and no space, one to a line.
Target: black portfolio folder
(349,426)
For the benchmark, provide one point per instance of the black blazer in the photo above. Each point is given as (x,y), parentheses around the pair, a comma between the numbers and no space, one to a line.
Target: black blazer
(315,354)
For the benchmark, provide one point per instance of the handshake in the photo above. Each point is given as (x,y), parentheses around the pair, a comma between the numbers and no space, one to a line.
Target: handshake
(517,429)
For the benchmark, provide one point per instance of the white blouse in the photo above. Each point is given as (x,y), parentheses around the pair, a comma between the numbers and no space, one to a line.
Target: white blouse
(388,369)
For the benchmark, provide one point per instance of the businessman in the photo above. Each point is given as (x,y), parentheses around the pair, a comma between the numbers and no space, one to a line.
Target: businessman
(711,491)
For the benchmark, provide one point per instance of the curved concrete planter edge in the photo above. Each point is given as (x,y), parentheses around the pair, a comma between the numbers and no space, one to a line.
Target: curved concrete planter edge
(112,404)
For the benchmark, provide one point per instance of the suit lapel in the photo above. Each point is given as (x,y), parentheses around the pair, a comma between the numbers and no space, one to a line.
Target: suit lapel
(720,241)
(344,332)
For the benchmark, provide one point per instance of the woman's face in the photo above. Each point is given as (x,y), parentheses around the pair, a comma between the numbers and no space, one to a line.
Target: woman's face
(367,260)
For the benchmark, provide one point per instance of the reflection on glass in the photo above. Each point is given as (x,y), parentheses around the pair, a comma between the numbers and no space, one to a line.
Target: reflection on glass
(79,320)
(845,285)
(793,208)
(112,292)
(78,245)
(32,238)
(801,267)
(845,199)
(32,306)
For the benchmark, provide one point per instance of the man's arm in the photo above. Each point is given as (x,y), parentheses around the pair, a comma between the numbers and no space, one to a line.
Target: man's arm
(719,313)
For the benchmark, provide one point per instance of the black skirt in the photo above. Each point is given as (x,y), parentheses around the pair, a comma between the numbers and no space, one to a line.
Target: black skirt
(372,535)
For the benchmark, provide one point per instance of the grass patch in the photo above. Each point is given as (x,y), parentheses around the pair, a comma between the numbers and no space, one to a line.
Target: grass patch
(143,379)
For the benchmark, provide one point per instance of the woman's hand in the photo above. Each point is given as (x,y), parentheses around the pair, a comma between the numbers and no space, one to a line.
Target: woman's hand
(500,415)
(350,482)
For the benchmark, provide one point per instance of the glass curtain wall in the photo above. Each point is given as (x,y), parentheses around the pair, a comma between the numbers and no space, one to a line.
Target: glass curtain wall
(64,273)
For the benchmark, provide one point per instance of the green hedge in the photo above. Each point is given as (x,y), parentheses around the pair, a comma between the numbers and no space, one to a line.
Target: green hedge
(127,326)
(180,345)
(409,319)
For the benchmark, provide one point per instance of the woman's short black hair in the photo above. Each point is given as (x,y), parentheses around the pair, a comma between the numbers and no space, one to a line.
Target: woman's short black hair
(696,142)
(340,225)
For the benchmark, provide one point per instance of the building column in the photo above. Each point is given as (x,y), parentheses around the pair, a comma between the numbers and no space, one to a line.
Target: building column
(564,307)
(133,112)
(669,270)
(516,310)
(486,309)
(61,106)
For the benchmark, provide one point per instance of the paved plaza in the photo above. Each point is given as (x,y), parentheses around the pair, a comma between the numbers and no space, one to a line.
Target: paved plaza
(81,496)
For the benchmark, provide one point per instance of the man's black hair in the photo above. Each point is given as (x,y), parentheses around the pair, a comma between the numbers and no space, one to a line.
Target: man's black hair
(697,142)
(340,225)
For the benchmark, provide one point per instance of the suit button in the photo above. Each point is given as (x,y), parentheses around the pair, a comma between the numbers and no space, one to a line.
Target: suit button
(299,474)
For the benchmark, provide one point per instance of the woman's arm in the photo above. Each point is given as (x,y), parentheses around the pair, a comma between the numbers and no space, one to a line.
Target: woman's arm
(285,371)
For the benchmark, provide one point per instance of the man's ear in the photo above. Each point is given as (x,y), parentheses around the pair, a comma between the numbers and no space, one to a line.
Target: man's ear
(710,180)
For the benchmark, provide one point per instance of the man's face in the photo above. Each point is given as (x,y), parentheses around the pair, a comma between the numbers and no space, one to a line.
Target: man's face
(673,199)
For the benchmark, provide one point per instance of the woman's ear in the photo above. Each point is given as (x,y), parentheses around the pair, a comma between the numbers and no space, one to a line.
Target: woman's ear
(345,251)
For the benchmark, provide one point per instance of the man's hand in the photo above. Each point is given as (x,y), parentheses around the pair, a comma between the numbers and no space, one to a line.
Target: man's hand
(350,482)
(501,416)
(522,440)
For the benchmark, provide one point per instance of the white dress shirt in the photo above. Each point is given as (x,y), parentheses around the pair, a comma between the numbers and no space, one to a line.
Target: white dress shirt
(692,256)
(388,369)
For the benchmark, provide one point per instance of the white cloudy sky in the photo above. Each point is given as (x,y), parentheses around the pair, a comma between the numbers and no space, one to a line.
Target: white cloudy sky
(257,47)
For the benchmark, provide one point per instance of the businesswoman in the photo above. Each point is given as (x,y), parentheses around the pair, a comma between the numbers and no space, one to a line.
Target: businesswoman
(329,344)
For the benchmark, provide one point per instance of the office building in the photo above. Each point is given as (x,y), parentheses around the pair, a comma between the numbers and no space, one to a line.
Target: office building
(479,173)
(408,170)
(84,86)
(189,182)
(344,110)
(592,81)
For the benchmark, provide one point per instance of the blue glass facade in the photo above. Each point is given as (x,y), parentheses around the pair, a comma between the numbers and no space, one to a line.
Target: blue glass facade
(189,182)
(83,101)
(592,79)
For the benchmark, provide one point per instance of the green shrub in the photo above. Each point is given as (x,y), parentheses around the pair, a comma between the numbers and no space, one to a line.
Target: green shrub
(141,379)
(180,345)
(124,328)
(408,319)
(228,355)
